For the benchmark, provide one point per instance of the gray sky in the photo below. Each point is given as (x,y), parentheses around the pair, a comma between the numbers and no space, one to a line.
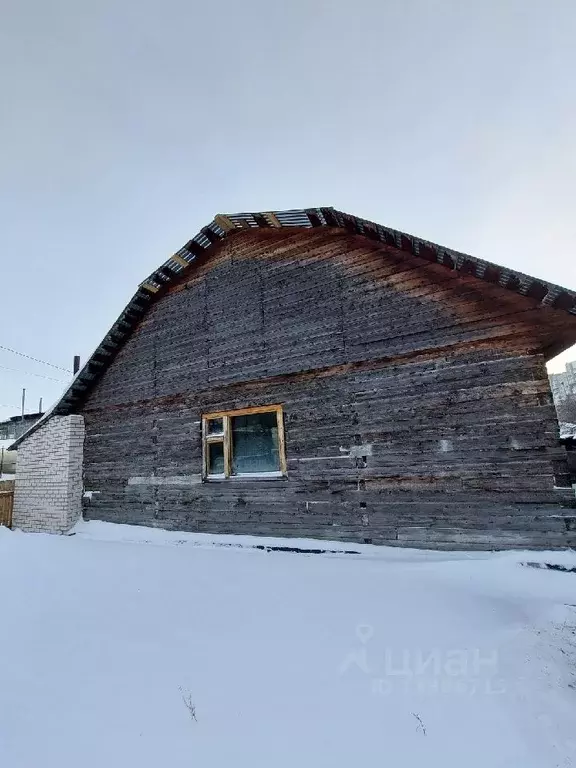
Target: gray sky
(125,126)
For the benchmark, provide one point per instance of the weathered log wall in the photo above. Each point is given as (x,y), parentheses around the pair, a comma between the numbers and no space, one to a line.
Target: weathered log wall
(571,456)
(417,404)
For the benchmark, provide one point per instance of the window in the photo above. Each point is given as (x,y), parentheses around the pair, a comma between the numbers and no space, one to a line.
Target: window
(248,443)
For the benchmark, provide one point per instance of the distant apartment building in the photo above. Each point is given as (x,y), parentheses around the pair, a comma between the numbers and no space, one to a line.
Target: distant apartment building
(10,430)
(564,384)
(15,426)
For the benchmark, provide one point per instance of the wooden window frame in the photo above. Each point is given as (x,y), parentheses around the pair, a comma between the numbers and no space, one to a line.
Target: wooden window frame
(225,437)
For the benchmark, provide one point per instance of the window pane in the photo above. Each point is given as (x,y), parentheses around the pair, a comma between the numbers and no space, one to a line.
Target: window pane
(215,458)
(255,443)
(215,426)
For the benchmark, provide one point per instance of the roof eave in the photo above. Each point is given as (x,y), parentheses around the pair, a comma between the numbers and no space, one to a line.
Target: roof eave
(224,225)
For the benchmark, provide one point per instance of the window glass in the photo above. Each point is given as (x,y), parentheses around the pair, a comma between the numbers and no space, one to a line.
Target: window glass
(215,426)
(215,458)
(255,443)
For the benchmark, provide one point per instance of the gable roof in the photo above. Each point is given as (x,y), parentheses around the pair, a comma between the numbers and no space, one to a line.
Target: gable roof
(222,226)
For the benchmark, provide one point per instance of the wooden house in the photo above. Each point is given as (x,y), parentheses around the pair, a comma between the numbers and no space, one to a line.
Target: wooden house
(311,374)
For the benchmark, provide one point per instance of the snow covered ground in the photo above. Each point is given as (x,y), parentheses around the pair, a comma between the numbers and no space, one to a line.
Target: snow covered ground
(567,430)
(123,646)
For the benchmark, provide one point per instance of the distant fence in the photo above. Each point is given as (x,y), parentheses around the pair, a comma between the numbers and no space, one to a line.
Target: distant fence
(6,502)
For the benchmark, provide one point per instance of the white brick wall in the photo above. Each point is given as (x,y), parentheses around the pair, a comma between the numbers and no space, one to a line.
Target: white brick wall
(48,492)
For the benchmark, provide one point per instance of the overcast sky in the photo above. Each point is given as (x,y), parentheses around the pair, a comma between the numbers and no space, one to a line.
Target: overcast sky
(125,126)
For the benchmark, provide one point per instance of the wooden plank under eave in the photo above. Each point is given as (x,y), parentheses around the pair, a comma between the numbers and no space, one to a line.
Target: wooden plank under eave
(210,235)
(150,287)
(565,301)
(164,272)
(273,219)
(313,218)
(261,220)
(329,217)
(109,346)
(136,307)
(194,248)
(224,222)
(179,260)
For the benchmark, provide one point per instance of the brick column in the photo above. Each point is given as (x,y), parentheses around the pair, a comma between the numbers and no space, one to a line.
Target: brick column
(48,492)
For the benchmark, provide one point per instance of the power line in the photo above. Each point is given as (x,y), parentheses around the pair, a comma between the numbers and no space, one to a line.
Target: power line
(27,373)
(36,360)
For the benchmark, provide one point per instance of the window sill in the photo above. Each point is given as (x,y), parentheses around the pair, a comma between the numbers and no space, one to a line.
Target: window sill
(246,476)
